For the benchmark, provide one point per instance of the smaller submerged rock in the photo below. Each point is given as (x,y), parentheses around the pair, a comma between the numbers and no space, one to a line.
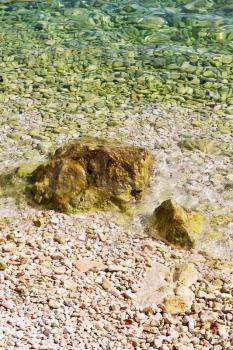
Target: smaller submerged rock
(203,145)
(92,174)
(176,224)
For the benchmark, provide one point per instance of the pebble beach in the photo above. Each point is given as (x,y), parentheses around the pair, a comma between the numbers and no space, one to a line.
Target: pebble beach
(95,280)
(71,281)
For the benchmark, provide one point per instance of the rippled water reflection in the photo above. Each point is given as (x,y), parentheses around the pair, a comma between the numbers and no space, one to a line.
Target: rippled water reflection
(157,50)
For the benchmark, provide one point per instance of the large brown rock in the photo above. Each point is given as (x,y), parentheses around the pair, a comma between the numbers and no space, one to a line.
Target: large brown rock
(92,175)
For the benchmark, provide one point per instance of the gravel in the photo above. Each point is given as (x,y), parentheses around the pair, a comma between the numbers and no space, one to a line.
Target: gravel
(70,281)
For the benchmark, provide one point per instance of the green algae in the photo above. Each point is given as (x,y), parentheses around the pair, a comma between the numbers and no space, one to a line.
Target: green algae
(25,169)
(13,183)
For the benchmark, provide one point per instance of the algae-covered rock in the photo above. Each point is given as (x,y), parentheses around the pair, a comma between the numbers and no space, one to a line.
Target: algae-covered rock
(176,224)
(204,145)
(92,174)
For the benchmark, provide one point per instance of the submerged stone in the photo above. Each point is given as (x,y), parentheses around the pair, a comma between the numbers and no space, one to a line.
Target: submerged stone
(92,174)
(176,224)
(204,145)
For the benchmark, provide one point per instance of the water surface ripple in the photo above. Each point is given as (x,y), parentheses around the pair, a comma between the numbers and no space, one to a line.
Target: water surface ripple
(158,50)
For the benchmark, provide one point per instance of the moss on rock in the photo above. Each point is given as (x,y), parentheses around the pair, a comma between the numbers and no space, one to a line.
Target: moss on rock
(177,225)
(92,174)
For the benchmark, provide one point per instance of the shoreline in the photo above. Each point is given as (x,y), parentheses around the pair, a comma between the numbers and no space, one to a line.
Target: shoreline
(198,178)
(50,304)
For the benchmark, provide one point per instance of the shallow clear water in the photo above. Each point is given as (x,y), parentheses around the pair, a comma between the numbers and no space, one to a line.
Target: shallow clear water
(103,51)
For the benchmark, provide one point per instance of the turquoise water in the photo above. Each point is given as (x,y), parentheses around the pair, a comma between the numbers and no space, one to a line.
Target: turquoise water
(106,52)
